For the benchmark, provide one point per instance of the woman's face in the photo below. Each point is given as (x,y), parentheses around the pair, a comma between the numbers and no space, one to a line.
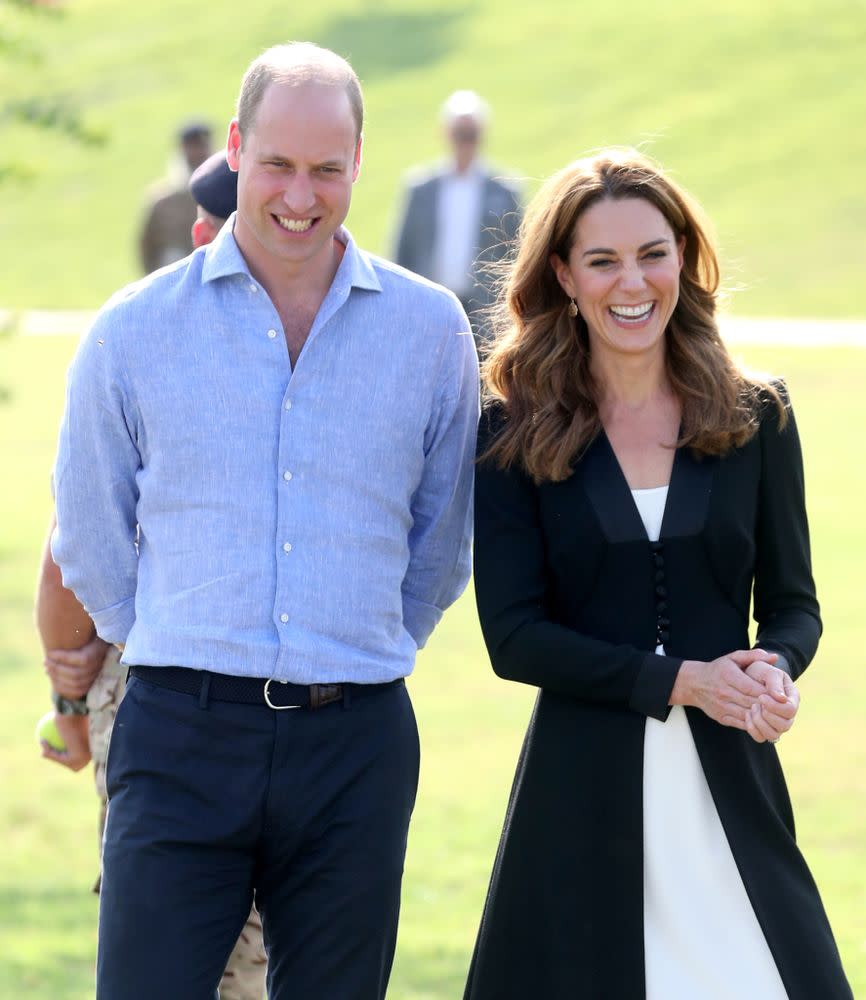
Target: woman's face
(623,271)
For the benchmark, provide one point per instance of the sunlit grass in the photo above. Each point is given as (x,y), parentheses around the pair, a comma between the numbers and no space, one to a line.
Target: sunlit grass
(471,723)
(754,106)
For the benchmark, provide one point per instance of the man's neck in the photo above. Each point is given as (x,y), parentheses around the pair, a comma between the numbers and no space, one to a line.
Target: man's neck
(288,283)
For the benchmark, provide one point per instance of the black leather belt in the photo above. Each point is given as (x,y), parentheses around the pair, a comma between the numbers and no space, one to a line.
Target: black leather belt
(274,693)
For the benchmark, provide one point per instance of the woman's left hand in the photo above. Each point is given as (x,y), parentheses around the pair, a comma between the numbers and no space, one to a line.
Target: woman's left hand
(773,713)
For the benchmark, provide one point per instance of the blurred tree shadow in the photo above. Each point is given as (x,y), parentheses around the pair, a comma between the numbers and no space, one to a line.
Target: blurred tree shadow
(381,42)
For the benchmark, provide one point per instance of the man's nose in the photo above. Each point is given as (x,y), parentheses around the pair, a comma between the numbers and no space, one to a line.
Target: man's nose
(298,194)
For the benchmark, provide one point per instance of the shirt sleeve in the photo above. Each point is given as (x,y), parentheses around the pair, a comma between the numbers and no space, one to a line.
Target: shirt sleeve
(96,494)
(524,642)
(441,536)
(785,605)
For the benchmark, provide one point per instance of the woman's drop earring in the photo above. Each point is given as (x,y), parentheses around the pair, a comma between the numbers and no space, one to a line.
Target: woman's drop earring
(572,308)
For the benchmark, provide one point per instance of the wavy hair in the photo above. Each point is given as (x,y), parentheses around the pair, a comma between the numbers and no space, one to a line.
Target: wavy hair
(538,362)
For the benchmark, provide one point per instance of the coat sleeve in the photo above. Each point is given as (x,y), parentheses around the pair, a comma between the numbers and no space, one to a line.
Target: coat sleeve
(405,240)
(785,606)
(512,592)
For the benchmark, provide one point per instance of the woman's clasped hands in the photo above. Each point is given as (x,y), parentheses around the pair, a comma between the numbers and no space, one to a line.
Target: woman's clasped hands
(743,689)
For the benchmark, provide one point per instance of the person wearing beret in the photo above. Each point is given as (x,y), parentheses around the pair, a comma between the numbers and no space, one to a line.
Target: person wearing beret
(637,492)
(87,677)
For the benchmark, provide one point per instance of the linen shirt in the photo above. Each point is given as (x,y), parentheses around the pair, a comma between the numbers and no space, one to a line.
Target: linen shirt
(218,510)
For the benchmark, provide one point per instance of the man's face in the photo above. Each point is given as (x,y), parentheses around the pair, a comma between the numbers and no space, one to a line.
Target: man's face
(296,169)
(196,149)
(464,134)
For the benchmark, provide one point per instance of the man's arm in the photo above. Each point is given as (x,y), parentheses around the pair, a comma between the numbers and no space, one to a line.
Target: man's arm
(441,537)
(66,630)
(96,493)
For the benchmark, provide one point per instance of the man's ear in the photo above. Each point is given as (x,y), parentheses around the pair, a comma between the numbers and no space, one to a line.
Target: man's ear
(203,232)
(233,145)
(356,166)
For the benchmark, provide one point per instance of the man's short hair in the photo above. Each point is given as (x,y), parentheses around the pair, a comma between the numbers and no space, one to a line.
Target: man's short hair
(463,104)
(297,63)
(195,129)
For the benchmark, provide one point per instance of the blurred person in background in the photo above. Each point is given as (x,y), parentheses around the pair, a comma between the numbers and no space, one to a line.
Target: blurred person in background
(457,219)
(250,504)
(87,678)
(170,211)
(636,492)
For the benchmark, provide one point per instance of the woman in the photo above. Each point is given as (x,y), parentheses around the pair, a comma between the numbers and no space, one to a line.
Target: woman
(633,486)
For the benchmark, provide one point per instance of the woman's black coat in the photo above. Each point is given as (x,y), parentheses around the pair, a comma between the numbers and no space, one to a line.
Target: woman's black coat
(570,595)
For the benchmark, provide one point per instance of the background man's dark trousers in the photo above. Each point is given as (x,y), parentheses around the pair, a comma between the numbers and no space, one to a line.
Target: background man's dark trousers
(211,800)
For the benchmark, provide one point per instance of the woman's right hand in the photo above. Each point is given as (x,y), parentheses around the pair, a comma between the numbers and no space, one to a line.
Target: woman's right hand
(721,688)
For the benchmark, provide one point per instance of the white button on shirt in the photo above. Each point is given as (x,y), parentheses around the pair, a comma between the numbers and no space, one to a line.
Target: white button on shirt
(287,475)
(272,334)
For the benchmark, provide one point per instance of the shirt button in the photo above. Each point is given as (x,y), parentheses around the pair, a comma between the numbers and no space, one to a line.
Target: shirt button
(272,334)
(287,547)
(253,287)
(288,404)
(284,618)
(287,475)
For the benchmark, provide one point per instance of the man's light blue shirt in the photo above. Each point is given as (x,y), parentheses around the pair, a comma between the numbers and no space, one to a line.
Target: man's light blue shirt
(218,510)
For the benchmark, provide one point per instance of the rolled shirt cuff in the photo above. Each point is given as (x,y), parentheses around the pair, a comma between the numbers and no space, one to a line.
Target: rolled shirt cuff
(114,623)
(419,619)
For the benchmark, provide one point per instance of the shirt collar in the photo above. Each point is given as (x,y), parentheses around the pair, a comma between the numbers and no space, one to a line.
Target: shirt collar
(476,170)
(224,258)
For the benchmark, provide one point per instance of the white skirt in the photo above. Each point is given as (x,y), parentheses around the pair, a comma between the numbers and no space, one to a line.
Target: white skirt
(702,938)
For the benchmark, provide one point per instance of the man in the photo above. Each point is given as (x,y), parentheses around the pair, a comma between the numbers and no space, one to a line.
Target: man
(170,212)
(87,678)
(274,441)
(458,220)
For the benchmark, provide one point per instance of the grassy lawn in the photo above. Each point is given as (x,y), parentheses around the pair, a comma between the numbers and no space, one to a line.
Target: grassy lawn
(471,723)
(755,106)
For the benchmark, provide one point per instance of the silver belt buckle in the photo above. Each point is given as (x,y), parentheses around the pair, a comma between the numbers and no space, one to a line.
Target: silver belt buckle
(270,704)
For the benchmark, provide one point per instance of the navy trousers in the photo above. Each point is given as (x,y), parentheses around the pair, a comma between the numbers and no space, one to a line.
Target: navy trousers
(212,803)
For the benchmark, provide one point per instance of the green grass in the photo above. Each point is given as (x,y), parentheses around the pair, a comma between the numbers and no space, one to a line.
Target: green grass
(756,107)
(471,723)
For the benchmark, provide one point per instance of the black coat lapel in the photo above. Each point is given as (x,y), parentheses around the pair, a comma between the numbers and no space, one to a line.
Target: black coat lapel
(609,494)
(689,494)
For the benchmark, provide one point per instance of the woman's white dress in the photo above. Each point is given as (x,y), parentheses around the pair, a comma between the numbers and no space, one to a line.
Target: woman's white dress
(702,939)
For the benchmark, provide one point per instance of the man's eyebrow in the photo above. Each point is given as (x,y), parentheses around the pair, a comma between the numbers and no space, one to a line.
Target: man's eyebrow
(641,248)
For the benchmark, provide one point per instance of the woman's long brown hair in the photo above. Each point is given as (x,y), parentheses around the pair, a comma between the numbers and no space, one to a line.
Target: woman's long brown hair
(538,363)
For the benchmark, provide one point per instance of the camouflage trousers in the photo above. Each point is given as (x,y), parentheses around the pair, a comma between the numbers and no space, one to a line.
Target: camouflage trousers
(244,976)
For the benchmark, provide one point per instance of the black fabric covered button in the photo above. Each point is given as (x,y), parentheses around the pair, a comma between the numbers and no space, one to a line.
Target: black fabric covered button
(660,576)
(662,590)
(664,635)
(659,560)
(661,607)
(656,546)
(664,622)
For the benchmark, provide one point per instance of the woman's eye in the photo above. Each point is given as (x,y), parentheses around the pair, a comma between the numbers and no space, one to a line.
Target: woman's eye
(600,262)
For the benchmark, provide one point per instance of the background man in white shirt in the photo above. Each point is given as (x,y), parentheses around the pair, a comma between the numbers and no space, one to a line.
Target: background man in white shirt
(457,218)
